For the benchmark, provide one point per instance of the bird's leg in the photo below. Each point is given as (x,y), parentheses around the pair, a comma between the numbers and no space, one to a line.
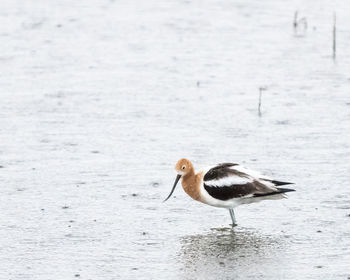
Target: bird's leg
(232,214)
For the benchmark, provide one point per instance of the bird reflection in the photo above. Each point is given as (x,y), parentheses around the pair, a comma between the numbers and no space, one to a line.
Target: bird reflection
(226,253)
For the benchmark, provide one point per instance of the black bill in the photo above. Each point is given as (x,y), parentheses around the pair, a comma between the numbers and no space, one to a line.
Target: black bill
(176,180)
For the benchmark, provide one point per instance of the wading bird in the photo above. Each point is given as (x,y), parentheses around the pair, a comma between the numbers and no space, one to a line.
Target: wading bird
(227,185)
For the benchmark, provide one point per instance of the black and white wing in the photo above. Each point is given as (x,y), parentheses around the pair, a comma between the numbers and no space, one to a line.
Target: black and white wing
(229,180)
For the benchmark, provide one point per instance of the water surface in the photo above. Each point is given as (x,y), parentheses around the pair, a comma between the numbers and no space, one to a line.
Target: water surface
(101,98)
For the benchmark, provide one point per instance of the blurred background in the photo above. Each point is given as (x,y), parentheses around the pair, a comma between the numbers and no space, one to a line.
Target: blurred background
(99,99)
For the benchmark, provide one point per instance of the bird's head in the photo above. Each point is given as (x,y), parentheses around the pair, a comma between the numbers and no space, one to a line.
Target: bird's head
(182,167)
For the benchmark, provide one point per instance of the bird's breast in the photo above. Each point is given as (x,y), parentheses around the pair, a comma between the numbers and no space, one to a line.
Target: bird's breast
(191,191)
(191,186)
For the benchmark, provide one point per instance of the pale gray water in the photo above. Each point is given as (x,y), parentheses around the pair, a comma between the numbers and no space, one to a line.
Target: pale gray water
(99,99)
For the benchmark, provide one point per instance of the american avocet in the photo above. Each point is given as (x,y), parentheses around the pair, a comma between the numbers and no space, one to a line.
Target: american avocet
(227,185)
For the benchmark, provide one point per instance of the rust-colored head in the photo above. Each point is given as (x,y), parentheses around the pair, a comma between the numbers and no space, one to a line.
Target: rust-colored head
(182,167)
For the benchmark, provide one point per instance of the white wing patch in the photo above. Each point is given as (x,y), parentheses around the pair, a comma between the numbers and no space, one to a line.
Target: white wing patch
(229,181)
(252,173)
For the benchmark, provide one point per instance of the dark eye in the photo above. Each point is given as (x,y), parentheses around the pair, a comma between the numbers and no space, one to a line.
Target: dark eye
(183,167)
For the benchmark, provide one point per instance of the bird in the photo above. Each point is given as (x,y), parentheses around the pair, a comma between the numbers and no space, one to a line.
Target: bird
(227,185)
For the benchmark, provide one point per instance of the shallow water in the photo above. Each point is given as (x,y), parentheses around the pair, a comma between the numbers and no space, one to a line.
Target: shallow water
(99,101)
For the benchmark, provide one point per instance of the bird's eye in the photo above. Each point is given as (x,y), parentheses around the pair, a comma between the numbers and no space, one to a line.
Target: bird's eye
(183,167)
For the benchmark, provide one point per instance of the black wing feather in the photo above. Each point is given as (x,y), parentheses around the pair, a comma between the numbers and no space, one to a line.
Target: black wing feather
(220,171)
(232,191)
(255,188)
(279,191)
(279,183)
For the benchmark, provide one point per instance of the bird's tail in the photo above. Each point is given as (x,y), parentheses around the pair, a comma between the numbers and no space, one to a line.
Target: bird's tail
(280,191)
(284,190)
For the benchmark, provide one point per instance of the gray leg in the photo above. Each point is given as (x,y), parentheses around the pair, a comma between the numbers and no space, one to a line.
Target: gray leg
(234,222)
